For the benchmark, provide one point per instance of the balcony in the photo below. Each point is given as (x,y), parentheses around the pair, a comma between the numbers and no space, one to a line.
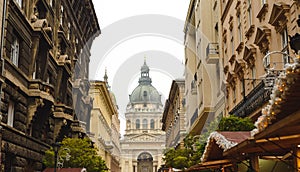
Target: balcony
(62,111)
(212,53)
(41,89)
(252,102)
(108,145)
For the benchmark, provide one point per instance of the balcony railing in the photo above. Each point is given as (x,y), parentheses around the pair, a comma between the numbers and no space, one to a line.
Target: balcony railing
(253,101)
(37,87)
(212,53)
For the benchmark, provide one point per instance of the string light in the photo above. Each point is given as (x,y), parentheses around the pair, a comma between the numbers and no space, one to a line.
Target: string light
(279,93)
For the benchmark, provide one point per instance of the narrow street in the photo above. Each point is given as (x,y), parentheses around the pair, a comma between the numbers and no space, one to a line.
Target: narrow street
(149,86)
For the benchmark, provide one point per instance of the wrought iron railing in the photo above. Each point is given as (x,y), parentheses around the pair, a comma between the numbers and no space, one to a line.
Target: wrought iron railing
(253,101)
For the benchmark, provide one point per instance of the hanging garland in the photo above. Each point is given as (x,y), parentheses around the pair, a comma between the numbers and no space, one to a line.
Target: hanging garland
(280,92)
(221,141)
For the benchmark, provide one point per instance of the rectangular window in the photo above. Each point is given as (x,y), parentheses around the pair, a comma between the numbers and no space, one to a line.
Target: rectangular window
(234,94)
(137,124)
(249,10)
(267,62)
(34,71)
(145,123)
(284,38)
(61,15)
(284,45)
(253,71)
(152,124)
(14,53)
(240,28)
(231,42)
(69,31)
(11,113)
(242,87)
(263,2)
(225,51)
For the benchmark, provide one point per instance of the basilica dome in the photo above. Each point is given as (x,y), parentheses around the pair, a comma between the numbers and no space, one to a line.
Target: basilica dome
(145,92)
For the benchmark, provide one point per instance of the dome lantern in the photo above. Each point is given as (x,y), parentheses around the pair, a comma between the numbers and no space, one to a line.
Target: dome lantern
(145,92)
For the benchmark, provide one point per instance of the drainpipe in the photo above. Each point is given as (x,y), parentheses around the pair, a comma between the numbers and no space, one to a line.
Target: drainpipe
(2,36)
(2,71)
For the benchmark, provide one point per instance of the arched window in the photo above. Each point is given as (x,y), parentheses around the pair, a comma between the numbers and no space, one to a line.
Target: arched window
(145,124)
(152,124)
(137,124)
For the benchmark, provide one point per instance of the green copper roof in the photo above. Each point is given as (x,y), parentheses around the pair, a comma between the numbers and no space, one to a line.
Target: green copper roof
(145,92)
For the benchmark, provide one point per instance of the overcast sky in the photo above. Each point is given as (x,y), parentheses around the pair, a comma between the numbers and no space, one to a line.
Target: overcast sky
(132,30)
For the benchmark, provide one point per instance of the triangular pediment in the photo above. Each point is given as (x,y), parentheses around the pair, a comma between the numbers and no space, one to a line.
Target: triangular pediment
(144,137)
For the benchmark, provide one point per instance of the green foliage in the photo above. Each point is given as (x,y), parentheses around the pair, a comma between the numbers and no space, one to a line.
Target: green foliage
(180,162)
(82,155)
(234,123)
(185,157)
(194,146)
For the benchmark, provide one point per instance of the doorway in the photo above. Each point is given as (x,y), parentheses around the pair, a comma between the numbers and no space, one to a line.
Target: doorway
(145,162)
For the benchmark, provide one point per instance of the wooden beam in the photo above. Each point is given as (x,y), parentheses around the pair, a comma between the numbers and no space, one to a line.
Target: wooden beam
(297,160)
(254,164)
(210,164)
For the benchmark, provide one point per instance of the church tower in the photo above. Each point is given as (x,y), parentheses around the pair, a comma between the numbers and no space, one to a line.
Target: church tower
(144,141)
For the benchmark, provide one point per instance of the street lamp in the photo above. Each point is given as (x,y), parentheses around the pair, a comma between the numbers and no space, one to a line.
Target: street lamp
(56,147)
(63,155)
(295,40)
(272,73)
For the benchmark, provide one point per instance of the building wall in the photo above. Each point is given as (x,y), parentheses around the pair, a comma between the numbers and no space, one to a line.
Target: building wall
(251,29)
(39,57)
(116,151)
(204,93)
(174,116)
(103,123)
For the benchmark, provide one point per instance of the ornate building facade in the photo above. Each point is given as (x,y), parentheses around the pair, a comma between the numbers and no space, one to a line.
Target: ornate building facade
(174,116)
(144,141)
(261,68)
(105,125)
(204,90)
(45,54)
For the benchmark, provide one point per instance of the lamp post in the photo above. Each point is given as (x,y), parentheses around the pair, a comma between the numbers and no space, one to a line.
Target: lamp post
(56,147)
(63,155)
(272,74)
